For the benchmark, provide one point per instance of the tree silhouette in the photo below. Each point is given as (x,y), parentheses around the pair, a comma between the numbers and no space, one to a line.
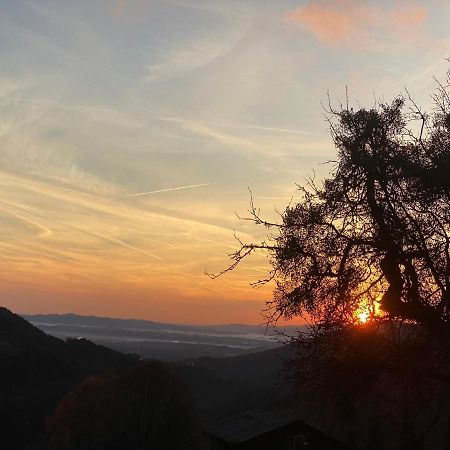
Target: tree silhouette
(144,408)
(372,242)
(364,258)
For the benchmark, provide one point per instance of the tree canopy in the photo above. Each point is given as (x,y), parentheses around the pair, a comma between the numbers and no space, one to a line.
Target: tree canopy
(146,407)
(364,258)
(372,241)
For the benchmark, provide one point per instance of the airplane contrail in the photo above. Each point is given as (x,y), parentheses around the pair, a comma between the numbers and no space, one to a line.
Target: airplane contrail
(279,130)
(164,190)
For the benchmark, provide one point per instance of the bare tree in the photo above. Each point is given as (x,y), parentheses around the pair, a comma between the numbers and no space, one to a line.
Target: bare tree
(364,258)
(375,235)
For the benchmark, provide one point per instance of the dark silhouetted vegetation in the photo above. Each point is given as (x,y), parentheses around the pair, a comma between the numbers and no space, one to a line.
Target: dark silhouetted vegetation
(118,403)
(364,258)
(375,236)
(36,370)
(144,408)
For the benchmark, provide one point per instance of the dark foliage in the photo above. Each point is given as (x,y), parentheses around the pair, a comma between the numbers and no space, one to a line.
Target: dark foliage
(372,241)
(144,408)
(384,383)
(36,370)
(376,234)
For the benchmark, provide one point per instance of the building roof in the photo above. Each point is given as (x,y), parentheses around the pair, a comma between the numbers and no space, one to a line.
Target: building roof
(248,425)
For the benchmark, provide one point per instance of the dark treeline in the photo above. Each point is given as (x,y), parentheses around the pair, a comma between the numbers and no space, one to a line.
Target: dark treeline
(74,395)
(36,370)
(146,407)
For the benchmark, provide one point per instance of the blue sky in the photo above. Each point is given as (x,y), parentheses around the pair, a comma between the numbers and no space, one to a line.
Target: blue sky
(190,102)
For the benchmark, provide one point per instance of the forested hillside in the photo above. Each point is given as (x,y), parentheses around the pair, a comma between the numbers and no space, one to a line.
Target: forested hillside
(36,370)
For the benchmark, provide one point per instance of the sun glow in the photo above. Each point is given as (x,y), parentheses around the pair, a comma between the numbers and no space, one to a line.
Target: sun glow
(363,316)
(367,311)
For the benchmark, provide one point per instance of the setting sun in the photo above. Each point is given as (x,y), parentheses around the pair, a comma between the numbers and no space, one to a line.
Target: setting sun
(363,316)
(367,310)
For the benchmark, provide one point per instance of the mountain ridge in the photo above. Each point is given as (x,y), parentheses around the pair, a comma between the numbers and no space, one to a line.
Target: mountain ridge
(168,342)
(123,320)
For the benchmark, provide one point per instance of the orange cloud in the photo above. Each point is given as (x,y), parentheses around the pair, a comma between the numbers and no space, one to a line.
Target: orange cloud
(338,22)
(408,20)
(119,7)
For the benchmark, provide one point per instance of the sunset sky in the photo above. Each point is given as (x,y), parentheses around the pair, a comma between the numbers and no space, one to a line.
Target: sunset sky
(130,132)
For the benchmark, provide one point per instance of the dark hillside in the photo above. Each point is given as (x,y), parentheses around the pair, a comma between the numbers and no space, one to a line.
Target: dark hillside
(260,368)
(224,386)
(36,370)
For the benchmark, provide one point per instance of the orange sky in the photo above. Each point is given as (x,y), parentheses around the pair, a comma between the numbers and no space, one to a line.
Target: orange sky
(130,132)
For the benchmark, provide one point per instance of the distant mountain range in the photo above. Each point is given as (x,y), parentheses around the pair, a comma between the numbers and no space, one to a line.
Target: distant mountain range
(167,342)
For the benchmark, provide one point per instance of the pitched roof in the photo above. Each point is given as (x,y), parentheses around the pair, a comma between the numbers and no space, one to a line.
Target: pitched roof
(248,425)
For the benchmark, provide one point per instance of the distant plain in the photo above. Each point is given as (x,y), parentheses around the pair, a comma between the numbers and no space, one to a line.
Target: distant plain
(167,342)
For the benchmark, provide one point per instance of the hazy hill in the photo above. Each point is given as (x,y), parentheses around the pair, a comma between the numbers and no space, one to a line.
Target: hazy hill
(224,386)
(36,370)
(227,367)
(263,368)
(167,342)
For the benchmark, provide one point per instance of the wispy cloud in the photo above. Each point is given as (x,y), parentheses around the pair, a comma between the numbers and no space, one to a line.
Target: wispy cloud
(276,129)
(9,87)
(43,231)
(268,144)
(60,233)
(188,57)
(235,141)
(204,46)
